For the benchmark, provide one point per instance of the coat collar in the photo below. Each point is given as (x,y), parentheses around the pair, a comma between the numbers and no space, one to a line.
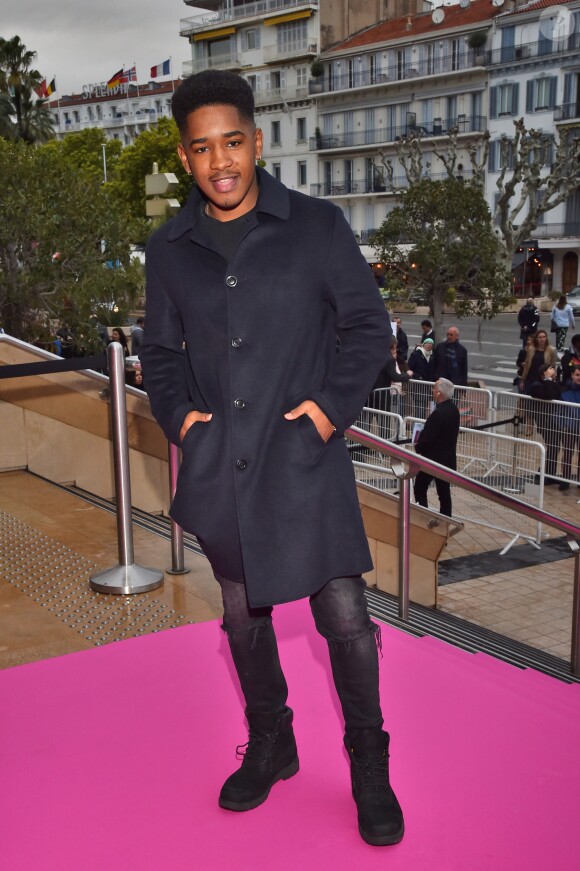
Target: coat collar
(273,199)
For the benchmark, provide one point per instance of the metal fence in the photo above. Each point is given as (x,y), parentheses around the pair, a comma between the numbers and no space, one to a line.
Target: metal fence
(416,400)
(554,423)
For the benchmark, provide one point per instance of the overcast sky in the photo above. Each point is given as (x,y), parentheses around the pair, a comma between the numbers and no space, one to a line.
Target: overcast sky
(84,41)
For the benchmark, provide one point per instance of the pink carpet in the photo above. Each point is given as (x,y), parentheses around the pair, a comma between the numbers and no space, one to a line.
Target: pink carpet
(112,759)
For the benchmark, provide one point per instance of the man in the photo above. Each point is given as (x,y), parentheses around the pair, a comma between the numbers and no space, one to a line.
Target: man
(438,442)
(402,340)
(528,319)
(450,359)
(427,330)
(570,424)
(570,359)
(242,368)
(137,335)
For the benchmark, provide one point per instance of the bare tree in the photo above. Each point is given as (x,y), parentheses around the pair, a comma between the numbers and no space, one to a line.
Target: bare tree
(538,171)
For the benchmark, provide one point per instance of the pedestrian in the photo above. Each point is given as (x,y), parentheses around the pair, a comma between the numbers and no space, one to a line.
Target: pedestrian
(137,335)
(528,319)
(450,359)
(427,330)
(402,340)
(241,365)
(546,390)
(570,423)
(438,441)
(395,374)
(538,353)
(562,319)
(570,358)
(420,361)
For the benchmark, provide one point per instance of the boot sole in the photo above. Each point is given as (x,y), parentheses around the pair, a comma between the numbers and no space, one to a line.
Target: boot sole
(385,840)
(285,774)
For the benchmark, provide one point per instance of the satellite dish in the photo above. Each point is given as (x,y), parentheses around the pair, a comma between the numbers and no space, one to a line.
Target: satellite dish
(498,2)
(464,3)
(438,15)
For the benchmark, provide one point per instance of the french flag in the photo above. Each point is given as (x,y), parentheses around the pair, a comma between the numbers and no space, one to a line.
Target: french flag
(163,69)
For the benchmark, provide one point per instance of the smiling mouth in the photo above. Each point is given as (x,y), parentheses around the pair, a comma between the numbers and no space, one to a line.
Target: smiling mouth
(224,185)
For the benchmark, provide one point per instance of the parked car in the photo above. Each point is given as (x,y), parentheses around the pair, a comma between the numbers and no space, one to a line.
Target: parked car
(573,299)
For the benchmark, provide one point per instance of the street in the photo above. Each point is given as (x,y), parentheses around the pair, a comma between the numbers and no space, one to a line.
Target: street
(491,360)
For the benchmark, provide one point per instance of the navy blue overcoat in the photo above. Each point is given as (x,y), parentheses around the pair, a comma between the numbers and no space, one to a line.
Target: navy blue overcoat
(248,340)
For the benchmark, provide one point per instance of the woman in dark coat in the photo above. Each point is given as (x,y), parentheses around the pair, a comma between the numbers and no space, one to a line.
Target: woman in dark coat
(248,289)
(420,361)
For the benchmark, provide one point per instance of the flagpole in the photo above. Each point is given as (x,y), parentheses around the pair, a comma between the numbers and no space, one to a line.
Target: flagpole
(136,77)
(171,74)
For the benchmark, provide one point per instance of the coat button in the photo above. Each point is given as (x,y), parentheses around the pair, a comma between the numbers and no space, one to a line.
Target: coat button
(239,403)
(231,281)
(241,464)
(237,342)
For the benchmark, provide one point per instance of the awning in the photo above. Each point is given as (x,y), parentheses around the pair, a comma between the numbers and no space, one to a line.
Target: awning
(214,34)
(290,16)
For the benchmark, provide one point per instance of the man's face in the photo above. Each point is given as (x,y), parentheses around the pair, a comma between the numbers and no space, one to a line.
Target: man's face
(426,328)
(220,149)
(452,334)
(436,391)
(576,377)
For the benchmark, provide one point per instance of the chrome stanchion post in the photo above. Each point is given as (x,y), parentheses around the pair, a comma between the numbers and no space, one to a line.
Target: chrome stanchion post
(404,473)
(575,653)
(177,555)
(404,546)
(127,577)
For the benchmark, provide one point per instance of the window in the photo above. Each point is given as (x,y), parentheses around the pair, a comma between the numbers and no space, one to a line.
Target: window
(250,39)
(348,186)
(99,113)
(302,77)
(501,153)
(275,133)
(301,173)
(541,94)
(301,129)
(504,100)
(277,171)
(292,36)
(76,116)
(253,83)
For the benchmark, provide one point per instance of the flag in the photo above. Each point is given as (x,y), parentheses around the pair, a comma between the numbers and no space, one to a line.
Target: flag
(41,90)
(163,69)
(115,80)
(51,88)
(130,75)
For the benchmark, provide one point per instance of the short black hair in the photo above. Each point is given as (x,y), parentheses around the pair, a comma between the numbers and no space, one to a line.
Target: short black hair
(212,88)
(426,323)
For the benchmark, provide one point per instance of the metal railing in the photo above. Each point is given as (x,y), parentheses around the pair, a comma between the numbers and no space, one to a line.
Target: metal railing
(544,49)
(379,135)
(228,13)
(398,72)
(405,467)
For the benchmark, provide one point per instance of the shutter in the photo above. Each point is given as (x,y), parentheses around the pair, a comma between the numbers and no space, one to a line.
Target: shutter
(491,158)
(552,95)
(530,96)
(493,103)
(515,98)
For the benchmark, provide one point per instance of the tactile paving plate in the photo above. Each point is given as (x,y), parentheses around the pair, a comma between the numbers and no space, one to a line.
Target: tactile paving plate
(57,578)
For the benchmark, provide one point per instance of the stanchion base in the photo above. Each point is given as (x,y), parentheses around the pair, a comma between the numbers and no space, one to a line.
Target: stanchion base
(126,580)
(177,571)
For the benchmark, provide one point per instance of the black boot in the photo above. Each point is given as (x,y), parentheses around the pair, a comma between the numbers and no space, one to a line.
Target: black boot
(380,818)
(270,755)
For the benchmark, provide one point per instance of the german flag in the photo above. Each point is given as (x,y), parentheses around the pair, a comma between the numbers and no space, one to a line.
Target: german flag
(115,80)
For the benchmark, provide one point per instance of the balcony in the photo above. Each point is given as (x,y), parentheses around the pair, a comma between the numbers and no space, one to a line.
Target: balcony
(567,112)
(374,186)
(437,127)
(451,63)
(280,95)
(261,9)
(222,62)
(543,49)
(275,54)
(565,230)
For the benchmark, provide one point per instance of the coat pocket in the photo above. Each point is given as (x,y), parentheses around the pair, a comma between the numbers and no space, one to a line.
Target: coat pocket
(310,438)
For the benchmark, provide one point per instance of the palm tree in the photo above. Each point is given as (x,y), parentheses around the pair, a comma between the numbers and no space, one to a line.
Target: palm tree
(22,116)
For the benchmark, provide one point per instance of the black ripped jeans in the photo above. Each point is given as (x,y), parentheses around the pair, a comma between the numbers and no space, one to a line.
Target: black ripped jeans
(341,616)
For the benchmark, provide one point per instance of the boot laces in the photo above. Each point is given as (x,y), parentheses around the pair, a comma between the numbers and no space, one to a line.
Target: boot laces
(259,747)
(371,775)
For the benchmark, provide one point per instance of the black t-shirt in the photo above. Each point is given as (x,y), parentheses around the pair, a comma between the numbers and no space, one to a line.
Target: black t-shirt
(226,235)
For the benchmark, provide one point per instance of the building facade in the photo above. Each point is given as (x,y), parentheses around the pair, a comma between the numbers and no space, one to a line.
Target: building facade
(121,113)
